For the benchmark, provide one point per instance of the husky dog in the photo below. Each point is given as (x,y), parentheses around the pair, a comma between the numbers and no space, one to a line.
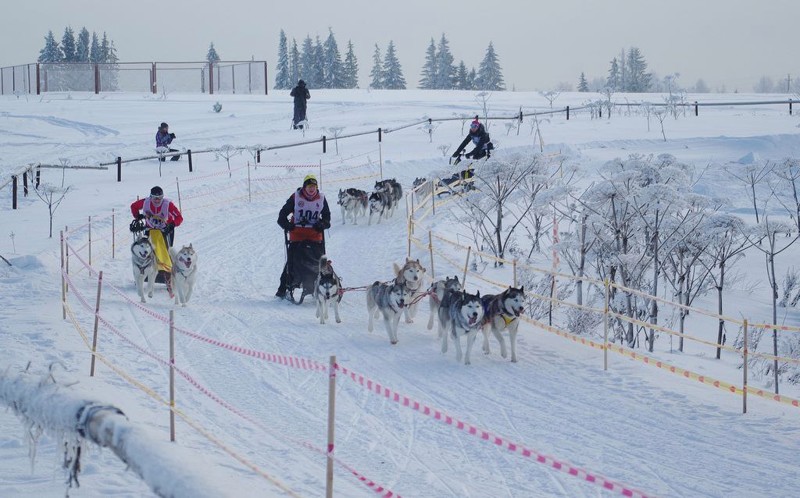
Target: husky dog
(389,300)
(354,204)
(463,315)
(412,276)
(437,293)
(327,288)
(502,313)
(392,192)
(184,273)
(379,203)
(144,264)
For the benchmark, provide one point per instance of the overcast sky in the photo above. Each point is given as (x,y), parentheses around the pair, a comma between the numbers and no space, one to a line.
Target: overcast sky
(539,43)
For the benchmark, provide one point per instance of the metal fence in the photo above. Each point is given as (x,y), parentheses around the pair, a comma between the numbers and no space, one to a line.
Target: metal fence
(230,77)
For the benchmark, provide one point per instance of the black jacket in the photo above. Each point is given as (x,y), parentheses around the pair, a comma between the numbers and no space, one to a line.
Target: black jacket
(300,94)
(480,138)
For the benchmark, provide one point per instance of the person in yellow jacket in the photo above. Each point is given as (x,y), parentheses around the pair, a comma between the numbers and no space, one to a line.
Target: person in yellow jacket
(304,217)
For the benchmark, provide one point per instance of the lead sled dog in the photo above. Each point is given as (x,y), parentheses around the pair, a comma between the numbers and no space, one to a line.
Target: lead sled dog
(436,294)
(388,300)
(461,315)
(327,289)
(144,265)
(412,276)
(184,273)
(502,313)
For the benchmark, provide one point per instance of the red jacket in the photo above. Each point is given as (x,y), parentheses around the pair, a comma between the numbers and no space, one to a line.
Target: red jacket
(174,213)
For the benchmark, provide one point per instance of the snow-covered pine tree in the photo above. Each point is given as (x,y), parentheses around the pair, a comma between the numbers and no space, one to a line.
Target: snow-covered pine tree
(307,63)
(82,47)
(109,80)
(332,68)
(376,75)
(350,67)
(212,55)
(94,49)
(490,74)
(318,70)
(51,53)
(282,76)
(613,80)
(639,80)
(68,45)
(583,85)
(294,64)
(461,76)
(392,71)
(445,69)
(471,79)
(428,78)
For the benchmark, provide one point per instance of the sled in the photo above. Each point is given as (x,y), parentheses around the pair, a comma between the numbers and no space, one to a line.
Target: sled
(302,265)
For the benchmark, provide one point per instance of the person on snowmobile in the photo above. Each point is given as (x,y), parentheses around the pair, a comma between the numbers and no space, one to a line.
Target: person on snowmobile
(163,139)
(480,138)
(301,96)
(304,216)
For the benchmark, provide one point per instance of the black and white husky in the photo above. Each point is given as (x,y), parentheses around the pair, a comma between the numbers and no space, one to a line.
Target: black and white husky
(502,313)
(144,264)
(354,203)
(327,289)
(437,292)
(462,316)
(388,299)
(380,204)
(412,276)
(184,273)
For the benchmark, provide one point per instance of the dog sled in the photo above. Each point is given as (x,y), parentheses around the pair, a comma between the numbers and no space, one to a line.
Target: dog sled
(302,267)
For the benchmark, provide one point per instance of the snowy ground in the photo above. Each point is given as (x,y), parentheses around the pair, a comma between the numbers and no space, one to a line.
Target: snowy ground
(632,424)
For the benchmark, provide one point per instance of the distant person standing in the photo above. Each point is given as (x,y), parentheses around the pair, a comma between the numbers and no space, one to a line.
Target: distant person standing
(163,139)
(301,95)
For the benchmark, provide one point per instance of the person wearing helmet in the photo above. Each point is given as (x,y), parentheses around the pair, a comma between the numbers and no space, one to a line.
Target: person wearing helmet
(304,217)
(480,138)
(301,95)
(158,213)
(163,139)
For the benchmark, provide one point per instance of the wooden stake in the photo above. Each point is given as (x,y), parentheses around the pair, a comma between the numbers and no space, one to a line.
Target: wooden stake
(178,187)
(744,369)
(249,191)
(63,280)
(172,375)
(90,241)
(430,248)
(605,324)
(96,322)
(466,265)
(113,234)
(331,426)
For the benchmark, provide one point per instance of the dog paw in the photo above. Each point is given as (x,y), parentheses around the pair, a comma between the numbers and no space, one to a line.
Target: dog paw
(338,320)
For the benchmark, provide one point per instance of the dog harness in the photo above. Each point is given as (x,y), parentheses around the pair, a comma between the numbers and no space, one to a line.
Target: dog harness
(147,263)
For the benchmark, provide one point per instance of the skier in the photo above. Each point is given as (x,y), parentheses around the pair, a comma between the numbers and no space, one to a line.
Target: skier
(304,217)
(301,95)
(480,138)
(163,139)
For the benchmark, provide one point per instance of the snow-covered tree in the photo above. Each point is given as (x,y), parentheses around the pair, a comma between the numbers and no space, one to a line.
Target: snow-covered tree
(376,75)
(613,80)
(445,69)
(307,59)
(82,46)
(318,69)
(583,85)
(283,78)
(490,74)
(212,55)
(462,76)
(294,64)
(350,71)
(392,71)
(333,70)
(428,78)
(51,52)
(68,45)
(638,80)
(94,50)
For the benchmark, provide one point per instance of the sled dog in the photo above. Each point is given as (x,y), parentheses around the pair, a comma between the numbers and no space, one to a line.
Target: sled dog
(387,299)
(437,293)
(327,289)
(379,205)
(501,312)
(354,204)
(422,189)
(393,191)
(463,315)
(184,273)
(143,262)
(412,276)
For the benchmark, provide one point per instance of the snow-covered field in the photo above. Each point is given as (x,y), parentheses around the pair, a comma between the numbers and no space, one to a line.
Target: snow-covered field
(632,424)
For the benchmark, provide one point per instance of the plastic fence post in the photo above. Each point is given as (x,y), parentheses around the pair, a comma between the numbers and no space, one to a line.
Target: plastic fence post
(119,169)
(744,368)
(172,375)
(96,322)
(189,155)
(430,249)
(90,241)
(14,192)
(331,426)
(63,280)
(113,234)
(605,324)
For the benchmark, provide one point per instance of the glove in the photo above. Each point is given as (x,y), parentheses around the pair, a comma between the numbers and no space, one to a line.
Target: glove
(320,226)
(468,155)
(140,216)
(169,228)
(292,226)
(172,135)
